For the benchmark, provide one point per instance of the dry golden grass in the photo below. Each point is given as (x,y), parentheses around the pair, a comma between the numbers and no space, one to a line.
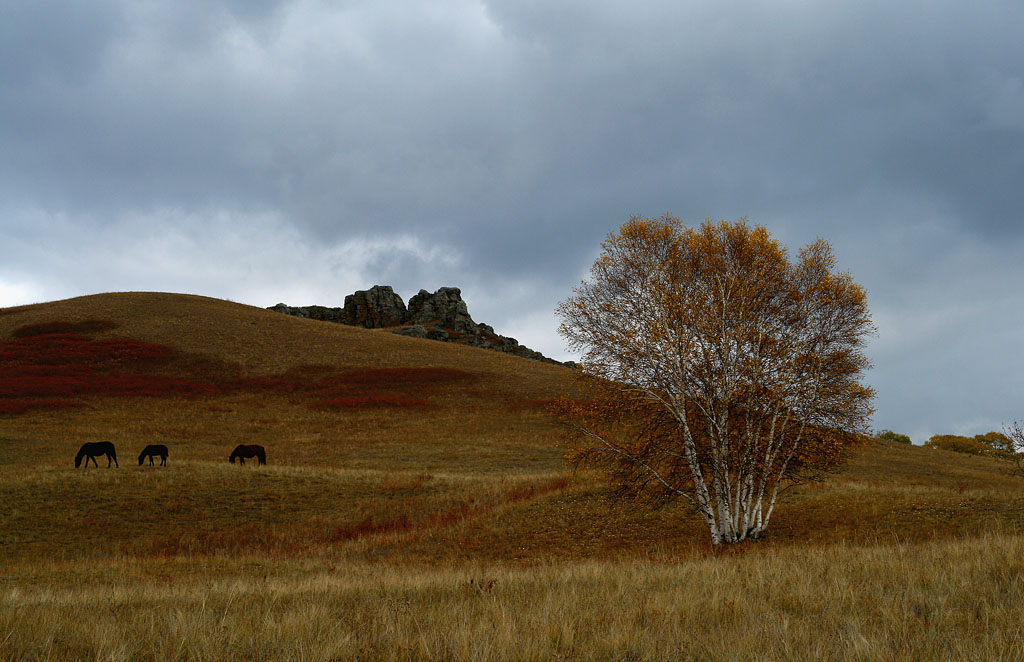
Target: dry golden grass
(360,537)
(959,600)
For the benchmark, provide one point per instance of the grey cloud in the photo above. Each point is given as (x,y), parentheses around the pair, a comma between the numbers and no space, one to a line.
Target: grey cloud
(514,135)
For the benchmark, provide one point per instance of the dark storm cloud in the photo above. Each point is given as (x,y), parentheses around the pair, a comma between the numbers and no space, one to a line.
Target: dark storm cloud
(514,117)
(322,146)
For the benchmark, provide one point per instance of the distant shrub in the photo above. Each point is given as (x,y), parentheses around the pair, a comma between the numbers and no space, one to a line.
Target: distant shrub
(991,444)
(889,435)
(997,441)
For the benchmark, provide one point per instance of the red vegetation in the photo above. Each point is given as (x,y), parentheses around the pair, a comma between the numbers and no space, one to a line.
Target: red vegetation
(64,349)
(45,370)
(268,385)
(47,365)
(367,527)
(529,492)
(16,407)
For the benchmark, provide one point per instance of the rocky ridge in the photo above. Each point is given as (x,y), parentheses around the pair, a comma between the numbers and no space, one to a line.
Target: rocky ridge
(441,315)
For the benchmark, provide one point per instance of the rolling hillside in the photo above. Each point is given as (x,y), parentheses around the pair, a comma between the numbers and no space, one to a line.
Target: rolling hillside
(434,464)
(367,433)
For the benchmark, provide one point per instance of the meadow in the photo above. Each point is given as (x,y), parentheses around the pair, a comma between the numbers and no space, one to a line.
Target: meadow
(415,505)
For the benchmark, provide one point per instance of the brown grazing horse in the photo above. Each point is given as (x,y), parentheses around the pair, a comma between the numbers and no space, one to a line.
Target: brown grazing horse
(152,450)
(242,451)
(90,451)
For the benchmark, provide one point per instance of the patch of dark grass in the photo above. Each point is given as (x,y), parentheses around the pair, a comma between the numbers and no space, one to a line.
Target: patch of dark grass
(47,328)
(400,377)
(373,401)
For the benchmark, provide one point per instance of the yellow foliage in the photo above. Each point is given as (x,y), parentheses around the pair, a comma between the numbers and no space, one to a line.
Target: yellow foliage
(719,367)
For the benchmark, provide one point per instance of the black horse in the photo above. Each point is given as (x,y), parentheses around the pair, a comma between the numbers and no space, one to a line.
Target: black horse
(242,451)
(154,449)
(91,450)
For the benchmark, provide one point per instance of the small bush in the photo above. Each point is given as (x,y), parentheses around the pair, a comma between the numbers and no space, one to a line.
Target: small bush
(992,444)
(889,435)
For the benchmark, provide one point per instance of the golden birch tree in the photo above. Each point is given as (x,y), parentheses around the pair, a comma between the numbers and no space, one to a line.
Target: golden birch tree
(719,368)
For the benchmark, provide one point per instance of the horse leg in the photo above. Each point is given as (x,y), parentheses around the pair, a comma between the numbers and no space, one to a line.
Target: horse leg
(93,458)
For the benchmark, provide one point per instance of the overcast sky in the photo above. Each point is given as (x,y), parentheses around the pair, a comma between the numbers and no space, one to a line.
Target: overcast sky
(296,151)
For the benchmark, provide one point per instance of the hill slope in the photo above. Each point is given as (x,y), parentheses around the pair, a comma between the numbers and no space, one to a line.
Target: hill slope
(379,446)
(414,506)
(366,431)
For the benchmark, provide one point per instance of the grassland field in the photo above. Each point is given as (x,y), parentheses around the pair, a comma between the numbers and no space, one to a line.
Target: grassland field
(415,505)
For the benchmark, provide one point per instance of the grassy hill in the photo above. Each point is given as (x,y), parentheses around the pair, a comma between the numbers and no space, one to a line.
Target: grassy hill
(403,476)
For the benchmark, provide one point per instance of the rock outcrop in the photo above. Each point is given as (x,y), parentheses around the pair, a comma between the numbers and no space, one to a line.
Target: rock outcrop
(374,308)
(441,315)
(311,312)
(444,308)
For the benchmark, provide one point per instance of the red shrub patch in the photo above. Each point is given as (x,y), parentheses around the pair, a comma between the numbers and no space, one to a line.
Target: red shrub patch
(70,348)
(366,527)
(47,365)
(17,407)
(53,367)
(16,385)
(268,384)
(151,385)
